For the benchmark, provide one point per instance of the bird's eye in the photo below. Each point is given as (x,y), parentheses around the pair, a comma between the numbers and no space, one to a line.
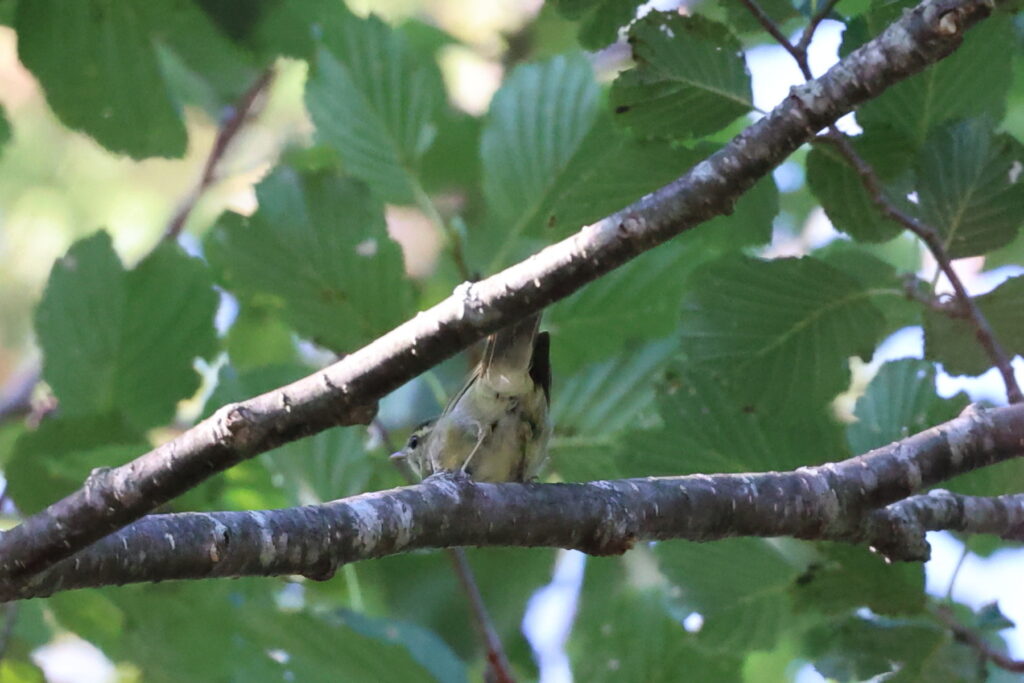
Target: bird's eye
(414,441)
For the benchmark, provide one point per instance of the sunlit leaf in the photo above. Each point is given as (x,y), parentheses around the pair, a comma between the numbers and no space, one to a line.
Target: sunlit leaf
(319,251)
(691,78)
(117,341)
(787,326)
(376,101)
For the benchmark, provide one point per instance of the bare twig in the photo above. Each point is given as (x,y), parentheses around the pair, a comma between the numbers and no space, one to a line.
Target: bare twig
(926,233)
(240,113)
(975,641)
(932,239)
(346,392)
(842,501)
(482,621)
(812,26)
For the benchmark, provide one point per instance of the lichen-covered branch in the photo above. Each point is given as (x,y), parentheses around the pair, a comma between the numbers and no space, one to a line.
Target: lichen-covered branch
(838,501)
(346,392)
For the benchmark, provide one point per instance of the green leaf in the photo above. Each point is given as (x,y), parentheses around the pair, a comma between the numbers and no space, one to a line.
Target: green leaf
(102,66)
(637,303)
(843,197)
(432,653)
(691,78)
(422,588)
(593,406)
(330,465)
(973,81)
(626,633)
(538,120)
(901,400)
(741,19)
(707,428)
(5,128)
(787,326)
(124,342)
(318,251)
(376,101)
(845,577)
(90,614)
(739,586)
(881,278)
(970,187)
(52,461)
(858,648)
(991,618)
(258,337)
(600,21)
(952,341)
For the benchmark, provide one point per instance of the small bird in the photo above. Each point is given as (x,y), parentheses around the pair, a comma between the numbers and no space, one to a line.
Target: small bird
(496,428)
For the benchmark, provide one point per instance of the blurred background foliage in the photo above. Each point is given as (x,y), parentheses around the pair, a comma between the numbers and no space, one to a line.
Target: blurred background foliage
(382,159)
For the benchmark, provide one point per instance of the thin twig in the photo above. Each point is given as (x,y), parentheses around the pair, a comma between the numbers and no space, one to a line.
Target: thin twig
(933,241)
(769,25)
(427,206)
(812,26)
(496,658)
(230,128)
(971,638)
(482,621)
(926,233)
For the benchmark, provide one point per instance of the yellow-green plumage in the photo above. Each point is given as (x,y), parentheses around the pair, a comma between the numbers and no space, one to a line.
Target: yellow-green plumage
(497,427)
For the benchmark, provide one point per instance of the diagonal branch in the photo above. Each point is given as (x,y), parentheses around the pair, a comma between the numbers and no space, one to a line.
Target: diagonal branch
(340,394)
(974,640)
(926,233)
(837,501)
(983,331)
(229,129)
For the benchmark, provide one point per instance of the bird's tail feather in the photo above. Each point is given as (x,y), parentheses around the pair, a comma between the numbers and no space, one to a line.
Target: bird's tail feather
(508,356)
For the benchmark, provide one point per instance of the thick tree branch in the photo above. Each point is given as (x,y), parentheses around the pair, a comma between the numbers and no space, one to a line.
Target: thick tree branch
(838,501)
(898,530)
(341,393)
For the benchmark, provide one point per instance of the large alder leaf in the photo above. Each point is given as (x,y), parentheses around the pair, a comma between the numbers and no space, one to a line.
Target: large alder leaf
(866,647)
(952,341)
(593,407)
(623,632)
(787,327)
(900,401)
(845,577)
(842,195)
(53,461)
(123,342)
(552,162)
(971,187)
(973,81)
(318,249)
(102,65)
(740,587)
(376,102)
(538,120)
(707,427)
(691,78)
